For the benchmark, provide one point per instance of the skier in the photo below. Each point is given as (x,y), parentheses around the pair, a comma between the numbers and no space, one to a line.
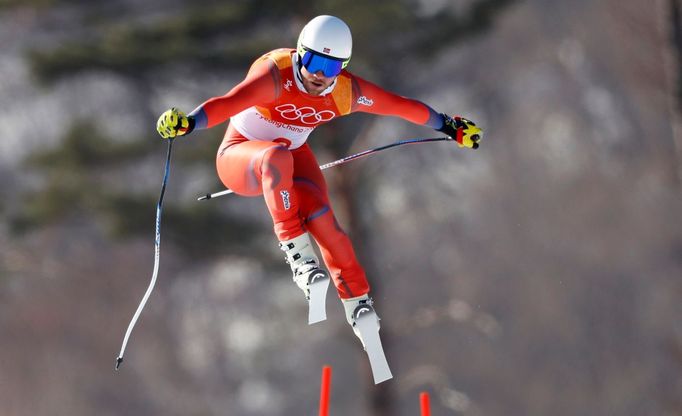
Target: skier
(285,95)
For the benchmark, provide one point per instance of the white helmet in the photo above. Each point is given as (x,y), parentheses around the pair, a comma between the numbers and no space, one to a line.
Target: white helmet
(327,36)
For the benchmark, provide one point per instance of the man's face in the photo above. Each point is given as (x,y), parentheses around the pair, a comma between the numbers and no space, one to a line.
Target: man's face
(315,83)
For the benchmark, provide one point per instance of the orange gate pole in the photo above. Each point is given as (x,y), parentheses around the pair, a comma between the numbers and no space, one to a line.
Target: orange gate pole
(424,400)
(324,390)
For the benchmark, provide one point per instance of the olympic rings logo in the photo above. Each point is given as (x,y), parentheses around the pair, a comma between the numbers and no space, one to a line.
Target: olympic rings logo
(307,115)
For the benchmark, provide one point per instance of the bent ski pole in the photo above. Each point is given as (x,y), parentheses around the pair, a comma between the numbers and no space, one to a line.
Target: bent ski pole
(157,253)
(347,159)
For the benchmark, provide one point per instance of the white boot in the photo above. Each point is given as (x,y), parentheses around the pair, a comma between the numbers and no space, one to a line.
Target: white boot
(308,275)
(356,307)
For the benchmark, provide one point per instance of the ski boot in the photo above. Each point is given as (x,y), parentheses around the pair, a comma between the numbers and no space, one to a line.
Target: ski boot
(362,317)
(308,275)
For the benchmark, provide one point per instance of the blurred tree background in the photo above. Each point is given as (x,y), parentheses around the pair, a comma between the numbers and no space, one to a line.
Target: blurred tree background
(540,274)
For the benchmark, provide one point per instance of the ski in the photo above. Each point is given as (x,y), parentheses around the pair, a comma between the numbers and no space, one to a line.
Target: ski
(317,311)
(367,324)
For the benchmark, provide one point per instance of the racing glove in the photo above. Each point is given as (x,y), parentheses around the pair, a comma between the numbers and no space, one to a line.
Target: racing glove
(173,123)
(463,131)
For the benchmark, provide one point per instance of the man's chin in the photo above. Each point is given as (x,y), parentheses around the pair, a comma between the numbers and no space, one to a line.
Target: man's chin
(315,90)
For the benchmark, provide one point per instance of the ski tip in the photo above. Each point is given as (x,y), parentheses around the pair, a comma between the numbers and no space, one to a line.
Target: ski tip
(316,319)
(119,360)
(204,198)
(384,376)
(382,379)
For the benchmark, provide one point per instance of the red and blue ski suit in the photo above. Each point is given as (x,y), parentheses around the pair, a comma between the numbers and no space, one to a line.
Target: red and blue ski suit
(264,151)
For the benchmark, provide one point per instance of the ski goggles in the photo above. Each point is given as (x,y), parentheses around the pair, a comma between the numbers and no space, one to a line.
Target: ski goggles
(315,62)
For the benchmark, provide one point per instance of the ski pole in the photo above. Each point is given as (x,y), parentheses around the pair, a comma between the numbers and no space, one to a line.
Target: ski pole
(347,159)
(157,253)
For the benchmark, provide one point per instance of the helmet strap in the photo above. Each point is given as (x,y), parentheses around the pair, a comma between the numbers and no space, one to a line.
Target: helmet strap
(298,64)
